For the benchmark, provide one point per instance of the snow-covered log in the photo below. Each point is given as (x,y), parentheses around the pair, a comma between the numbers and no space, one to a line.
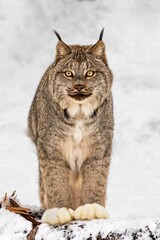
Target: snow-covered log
(15,227)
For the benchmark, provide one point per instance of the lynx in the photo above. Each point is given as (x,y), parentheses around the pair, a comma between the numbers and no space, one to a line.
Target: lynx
(71,124)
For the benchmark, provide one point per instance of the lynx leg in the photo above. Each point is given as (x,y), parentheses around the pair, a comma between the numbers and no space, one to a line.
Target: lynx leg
(93,194)
(55,187)
(57,191)
(95,173)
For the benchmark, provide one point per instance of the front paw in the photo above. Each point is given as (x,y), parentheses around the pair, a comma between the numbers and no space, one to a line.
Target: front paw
(57,216)
(90,211)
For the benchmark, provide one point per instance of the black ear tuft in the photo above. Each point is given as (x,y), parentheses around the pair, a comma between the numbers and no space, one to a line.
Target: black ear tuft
(62,48)
(57,34)
(101,34)
(98,49)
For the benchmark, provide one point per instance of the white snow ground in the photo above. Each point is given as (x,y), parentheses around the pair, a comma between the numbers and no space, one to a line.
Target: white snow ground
(15,227)
(132,36)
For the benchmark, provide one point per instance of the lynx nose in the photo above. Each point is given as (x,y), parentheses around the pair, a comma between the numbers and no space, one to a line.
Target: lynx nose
(79,87)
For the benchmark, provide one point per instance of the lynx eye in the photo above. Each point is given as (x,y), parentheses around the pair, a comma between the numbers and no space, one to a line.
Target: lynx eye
(89,73)
(68,73)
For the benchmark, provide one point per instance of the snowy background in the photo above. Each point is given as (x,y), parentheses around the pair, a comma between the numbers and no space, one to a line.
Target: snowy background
(132,36)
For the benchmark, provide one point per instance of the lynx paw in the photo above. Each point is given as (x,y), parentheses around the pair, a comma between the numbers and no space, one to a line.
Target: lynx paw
(57,216)
(90,211)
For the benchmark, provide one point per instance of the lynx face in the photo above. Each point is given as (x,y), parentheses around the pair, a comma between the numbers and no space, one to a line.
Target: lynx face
(81,77)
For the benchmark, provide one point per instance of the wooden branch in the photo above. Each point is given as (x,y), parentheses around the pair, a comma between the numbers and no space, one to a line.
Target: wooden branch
(11,205)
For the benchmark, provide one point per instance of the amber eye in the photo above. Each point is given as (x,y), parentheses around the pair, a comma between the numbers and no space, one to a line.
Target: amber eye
(68,73)
(89,73)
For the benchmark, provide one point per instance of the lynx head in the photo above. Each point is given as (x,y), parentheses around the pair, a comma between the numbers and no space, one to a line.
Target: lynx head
(81,77)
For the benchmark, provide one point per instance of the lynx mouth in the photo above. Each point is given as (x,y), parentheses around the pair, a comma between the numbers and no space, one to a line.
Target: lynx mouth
(79,95)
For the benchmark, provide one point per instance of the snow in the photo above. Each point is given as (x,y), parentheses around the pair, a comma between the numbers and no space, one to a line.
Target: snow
(13,226)
(27,47)
(82,229)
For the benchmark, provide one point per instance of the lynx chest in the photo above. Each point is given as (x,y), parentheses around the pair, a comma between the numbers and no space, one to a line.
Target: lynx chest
(77,146)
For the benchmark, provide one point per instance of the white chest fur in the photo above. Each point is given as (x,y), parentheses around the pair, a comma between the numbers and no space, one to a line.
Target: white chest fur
(78,133)
(76,147)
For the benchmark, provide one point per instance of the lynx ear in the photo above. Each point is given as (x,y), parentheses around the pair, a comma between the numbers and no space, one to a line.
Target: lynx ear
(98,49)
(62,48)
